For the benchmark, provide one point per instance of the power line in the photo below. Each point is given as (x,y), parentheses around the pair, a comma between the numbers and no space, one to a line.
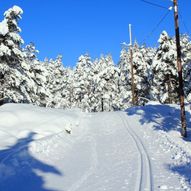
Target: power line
(154,4)
(184,24)
(157,25)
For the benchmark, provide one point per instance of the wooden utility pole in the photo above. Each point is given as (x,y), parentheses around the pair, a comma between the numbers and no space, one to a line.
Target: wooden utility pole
(179,66)
(132,72)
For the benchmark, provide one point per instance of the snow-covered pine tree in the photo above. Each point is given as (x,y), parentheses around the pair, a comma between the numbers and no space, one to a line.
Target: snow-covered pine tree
(30,63)
(148,54)
(106,80)
(42,95)
(54,81)
(97,67)
(68,87)
(141,64)
(165,78)
(13,78)
(58,83)
(186,60)
(125,95)
(30,52)
(187,81)
(83,82)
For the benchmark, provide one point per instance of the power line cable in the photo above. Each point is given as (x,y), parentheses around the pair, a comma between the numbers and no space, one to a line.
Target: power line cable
(184,23)
(154,4)
(157,25)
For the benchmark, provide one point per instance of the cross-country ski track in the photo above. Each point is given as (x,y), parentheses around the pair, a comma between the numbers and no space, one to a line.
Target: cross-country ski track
(112,151)
(144,173)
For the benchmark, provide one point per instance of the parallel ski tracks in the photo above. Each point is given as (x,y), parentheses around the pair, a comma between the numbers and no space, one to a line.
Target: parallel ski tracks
(144,180)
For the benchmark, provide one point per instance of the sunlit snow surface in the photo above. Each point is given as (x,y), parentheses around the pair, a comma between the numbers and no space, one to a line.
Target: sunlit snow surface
(68,150)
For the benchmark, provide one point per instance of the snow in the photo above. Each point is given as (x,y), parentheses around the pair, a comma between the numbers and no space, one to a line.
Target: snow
(16,10)
(3,28)
(16,37)
(4,50)
(52,149)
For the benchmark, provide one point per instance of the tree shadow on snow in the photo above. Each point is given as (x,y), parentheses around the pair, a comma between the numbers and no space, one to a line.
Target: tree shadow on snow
(162,117)
(18,168)
(183,170)
(166,118)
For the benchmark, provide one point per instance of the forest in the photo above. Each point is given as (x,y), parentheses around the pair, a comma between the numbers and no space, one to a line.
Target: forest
(92,85)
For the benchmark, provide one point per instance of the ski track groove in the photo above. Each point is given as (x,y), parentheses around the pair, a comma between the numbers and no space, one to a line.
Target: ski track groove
(144,165)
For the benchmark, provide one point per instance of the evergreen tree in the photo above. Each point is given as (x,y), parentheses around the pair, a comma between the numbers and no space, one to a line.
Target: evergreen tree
(165,78)
(30,52)
(82,82)
(106,85)
(98,86)
(42,95)
(141,64)
(124,79)
(14,80)
(142,59)
(186,59)
(55,84)
(68,89)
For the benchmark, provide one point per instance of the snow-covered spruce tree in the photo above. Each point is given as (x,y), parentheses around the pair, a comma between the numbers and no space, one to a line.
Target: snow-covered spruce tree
(59,83)
(48,79)
(14,80)
(67,91)
(186,60)
(54,81)
(124,79)
(141,64)
(106,83)
(82,86)
(148,53)
(96,98)
(30,52)
(165,78)
(44,76)
(41,94)
(187,81)
(31,69)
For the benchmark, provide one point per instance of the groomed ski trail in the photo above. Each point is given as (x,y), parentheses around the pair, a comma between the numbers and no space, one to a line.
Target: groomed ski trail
(108,151)
(144,171)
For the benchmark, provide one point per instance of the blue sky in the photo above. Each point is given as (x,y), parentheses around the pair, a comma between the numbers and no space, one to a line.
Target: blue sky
(75,27)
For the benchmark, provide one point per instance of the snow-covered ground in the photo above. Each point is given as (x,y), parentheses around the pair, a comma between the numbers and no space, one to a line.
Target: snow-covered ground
(69,150)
